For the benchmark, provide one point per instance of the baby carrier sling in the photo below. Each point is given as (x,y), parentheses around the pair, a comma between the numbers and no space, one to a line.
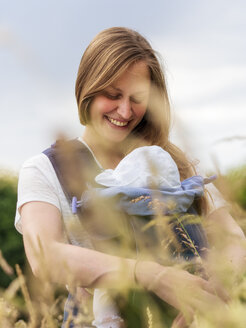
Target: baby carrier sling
(72,158)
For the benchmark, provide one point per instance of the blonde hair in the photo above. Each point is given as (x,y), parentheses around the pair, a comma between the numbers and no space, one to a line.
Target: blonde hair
(108,55)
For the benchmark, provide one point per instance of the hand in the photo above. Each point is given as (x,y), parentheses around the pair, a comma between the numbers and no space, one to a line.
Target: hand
(184,291)
(179,321)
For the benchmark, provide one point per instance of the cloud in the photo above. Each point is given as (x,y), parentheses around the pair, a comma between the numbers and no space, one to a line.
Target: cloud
(42,42)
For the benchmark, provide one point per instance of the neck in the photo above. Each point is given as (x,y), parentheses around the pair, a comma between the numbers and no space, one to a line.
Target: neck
(109,154)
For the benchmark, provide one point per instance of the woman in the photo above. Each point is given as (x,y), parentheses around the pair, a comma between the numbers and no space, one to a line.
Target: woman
(123,103)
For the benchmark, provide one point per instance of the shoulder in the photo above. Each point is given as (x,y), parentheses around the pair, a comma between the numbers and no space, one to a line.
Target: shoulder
(37,182)
(38,161)
(37,175)
(38,165)
(215,198)
(44,161)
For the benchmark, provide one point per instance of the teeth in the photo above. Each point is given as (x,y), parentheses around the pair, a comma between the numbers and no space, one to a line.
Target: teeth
(118,123)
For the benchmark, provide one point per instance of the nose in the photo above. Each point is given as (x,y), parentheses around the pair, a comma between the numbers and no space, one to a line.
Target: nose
(125,108)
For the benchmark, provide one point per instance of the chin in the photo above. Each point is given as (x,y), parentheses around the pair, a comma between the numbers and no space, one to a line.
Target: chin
(115,140)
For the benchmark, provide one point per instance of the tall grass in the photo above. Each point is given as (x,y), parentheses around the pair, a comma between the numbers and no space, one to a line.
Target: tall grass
(42,302)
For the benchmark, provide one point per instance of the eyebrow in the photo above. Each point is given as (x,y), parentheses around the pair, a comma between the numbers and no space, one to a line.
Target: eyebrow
(113,87)
(119,90)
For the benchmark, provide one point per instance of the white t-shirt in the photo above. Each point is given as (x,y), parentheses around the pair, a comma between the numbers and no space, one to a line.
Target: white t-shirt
(38,182)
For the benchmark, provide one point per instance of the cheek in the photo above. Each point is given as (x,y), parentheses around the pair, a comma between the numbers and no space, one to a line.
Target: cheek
(140,110)
(102,105)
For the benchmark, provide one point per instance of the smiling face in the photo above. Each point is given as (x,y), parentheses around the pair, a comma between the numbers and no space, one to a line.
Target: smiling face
(116,111)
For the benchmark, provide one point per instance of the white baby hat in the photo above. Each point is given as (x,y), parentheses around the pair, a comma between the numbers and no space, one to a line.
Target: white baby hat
(143,167)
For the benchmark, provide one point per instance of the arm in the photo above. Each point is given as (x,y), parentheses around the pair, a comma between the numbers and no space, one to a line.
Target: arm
(226,236)
(46,248)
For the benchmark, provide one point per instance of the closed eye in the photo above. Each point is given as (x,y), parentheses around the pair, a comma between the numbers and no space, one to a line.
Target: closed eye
(136,100)
(116,96)
(111,95)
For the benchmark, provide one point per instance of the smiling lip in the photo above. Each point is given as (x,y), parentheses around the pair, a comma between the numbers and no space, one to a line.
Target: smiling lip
(117,122)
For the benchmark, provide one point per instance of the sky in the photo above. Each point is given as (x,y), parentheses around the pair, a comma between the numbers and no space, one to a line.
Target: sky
(203,50)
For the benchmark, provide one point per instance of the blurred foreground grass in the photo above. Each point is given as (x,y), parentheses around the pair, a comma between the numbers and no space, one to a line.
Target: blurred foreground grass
(28,302)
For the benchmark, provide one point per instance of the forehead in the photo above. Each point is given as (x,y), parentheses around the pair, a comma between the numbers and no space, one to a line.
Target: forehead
(137,74)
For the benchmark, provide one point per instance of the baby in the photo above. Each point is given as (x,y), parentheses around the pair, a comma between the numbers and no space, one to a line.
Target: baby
(138,174)
(144,167)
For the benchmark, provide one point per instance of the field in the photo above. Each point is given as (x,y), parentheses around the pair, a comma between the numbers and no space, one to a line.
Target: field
(26,301)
